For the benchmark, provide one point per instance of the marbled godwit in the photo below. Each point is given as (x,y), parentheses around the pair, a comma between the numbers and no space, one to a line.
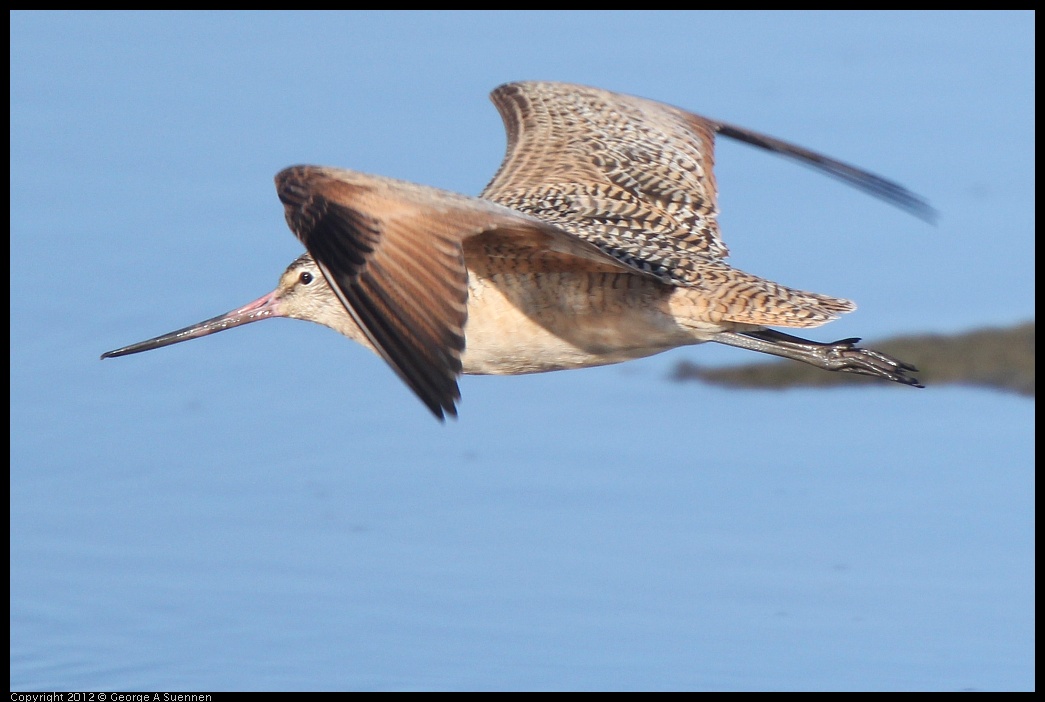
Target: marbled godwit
(596,242)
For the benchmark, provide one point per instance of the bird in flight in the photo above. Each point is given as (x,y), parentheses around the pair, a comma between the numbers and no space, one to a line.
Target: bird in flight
(596,242)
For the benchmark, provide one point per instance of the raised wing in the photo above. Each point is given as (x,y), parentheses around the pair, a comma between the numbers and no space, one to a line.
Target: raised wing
(633,176)
(630,176)
(394,254)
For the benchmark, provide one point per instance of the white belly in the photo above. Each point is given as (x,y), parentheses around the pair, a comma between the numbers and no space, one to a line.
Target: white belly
(567,321)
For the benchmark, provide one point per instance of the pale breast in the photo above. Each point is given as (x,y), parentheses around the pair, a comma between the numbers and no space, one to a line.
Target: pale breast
(534,322)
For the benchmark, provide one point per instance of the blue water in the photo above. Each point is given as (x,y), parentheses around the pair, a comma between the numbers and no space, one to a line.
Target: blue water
(271,509)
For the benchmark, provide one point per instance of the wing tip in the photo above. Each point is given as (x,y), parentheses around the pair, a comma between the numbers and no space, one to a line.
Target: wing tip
(440,407)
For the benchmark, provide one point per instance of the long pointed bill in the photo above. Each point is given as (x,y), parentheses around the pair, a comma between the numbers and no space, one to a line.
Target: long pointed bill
(262,308)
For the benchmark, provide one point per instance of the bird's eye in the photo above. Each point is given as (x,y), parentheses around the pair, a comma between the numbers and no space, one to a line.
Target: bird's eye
(305,278)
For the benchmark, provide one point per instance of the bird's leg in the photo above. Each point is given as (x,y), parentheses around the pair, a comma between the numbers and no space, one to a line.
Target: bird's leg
(842,355)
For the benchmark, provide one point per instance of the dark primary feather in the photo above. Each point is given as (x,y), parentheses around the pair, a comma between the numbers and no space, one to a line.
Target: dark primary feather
(875,185)
(412,311)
